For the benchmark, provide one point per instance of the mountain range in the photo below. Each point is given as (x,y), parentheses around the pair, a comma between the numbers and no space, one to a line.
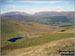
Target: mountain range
(44,17)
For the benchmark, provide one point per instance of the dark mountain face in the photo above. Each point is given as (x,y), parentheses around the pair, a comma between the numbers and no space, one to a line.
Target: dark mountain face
(18,16)
(15,17)
(48,18)
(50,14)
(58,19)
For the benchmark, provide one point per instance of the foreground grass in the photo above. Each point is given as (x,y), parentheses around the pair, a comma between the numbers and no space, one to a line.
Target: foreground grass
(28,42)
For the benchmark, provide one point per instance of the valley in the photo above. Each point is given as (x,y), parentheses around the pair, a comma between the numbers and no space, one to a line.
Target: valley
(37,28)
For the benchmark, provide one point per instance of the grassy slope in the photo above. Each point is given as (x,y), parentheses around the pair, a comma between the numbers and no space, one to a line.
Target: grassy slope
(26,28)
(10,29)
(27,42)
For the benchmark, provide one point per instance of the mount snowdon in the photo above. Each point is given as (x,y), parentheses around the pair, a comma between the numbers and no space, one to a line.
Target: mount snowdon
(45,17)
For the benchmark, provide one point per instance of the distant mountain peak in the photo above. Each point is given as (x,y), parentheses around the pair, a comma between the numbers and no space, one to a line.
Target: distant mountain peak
(16,13)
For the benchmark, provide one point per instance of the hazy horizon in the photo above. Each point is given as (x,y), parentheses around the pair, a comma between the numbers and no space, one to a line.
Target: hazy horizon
(37,12)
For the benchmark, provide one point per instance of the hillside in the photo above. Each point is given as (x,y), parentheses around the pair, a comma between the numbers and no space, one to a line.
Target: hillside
(10,29)
(34,34)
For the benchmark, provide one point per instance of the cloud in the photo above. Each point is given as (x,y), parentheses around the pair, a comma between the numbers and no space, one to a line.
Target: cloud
(15,6)
(58,8)
(32,10)
(42,2)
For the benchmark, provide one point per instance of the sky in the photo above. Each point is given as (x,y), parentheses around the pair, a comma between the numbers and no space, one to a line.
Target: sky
(31,7)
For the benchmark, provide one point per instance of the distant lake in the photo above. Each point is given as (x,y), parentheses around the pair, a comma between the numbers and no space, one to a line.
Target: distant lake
(15,38)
